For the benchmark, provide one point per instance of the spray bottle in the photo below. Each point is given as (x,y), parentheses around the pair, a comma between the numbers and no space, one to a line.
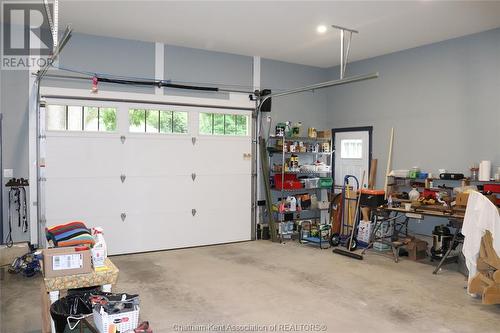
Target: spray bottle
(99,251)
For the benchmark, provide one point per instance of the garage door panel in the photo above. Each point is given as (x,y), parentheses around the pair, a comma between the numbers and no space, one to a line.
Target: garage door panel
(152,156)
(157,194)
(68,156)
(217,227)
(152,232)
(72,198)
(223,156)
(216,191)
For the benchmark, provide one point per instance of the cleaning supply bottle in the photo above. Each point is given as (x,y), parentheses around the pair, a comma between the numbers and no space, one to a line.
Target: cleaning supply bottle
(99,251)
(293,204)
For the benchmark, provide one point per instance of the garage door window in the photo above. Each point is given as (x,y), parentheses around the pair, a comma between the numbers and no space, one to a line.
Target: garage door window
(80,118)
(158,121)
(223,124)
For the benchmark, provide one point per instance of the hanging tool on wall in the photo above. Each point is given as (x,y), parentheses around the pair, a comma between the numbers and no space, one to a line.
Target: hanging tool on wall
(17,207)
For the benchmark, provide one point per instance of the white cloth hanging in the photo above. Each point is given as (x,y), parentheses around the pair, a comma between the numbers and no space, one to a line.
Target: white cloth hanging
(481,215)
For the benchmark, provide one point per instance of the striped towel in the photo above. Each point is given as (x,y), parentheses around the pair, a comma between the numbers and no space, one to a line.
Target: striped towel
(69,234)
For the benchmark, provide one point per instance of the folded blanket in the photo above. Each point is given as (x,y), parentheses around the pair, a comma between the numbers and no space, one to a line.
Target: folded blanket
(70,234)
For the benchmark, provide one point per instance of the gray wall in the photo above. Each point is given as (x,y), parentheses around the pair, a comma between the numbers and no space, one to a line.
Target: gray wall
(308,107)
(200,67)
(96,54)
(443,101)
(14,107)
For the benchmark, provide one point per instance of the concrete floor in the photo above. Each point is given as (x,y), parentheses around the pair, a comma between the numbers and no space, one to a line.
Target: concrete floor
(265,283)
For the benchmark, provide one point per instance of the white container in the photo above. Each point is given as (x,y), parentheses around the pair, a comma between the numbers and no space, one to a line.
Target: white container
(484,171)
(311,182)
(123,321)
(324,168)
(399,173)
(364,231)
(292,201)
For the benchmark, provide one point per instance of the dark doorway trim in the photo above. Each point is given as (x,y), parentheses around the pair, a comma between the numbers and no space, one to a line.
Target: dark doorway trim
(368,129)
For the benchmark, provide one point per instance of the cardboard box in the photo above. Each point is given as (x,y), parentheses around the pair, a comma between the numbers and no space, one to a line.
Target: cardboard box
(324,134)
(461,199)
(364,232)
(62,261)
(417,249)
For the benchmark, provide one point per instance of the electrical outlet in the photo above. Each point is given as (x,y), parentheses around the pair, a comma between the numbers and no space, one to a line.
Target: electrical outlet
(8,173)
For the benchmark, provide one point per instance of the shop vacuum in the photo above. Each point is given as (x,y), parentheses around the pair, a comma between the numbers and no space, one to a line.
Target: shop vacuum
(441,241)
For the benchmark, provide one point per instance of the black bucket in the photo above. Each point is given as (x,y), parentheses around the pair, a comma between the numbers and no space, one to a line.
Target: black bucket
(70,306)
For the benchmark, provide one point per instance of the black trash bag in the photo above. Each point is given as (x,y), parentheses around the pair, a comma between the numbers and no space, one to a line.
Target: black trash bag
(69,306)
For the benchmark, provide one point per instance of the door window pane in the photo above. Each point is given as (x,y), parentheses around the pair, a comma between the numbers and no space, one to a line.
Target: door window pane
(218,124)
(205,123)
(223,124)
(75,118)
(107,119)
(152,121)
(137,119)
(56,117)
(351,148)
(241,124)
(166,122)
(91,118)
(180,122)
(229,124)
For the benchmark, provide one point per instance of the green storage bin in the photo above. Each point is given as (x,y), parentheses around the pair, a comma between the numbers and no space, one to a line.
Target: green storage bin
(325,182)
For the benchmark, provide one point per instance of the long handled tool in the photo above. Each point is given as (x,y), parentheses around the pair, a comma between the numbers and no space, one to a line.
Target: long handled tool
(355,223)
(389,162)
(351,240)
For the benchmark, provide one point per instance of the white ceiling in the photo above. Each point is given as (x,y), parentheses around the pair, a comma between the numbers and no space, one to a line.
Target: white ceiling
(284,30)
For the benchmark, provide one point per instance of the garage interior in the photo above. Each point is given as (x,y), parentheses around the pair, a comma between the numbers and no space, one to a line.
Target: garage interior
(219,166)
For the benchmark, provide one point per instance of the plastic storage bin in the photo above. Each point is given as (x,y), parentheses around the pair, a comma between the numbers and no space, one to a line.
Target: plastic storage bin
(291,182)
(325,182)
(372,198)
(311,182)
(123,321)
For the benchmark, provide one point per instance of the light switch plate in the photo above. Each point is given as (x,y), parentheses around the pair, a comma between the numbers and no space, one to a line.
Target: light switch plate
(8,173)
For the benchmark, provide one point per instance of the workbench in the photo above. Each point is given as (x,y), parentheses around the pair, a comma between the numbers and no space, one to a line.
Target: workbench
(53,286)
(400,218)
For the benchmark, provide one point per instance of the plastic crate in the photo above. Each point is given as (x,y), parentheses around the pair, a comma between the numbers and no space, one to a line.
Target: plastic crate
(123,321)
(325,182)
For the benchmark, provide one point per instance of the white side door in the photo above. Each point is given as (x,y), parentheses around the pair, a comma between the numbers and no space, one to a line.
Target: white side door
(352,155)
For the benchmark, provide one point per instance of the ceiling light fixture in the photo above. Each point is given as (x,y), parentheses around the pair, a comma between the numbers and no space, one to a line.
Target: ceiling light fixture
(321,29)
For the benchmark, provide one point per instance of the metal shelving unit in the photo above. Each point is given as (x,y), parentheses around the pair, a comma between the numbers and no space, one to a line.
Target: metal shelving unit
(320,216)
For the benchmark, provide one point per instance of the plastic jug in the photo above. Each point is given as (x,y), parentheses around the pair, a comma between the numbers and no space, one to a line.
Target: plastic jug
(293,203)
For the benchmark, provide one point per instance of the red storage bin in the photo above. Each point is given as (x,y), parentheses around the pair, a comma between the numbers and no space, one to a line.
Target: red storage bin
(493,188)
(291,182)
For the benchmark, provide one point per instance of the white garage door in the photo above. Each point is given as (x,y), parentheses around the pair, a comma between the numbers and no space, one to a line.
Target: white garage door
(153,177)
